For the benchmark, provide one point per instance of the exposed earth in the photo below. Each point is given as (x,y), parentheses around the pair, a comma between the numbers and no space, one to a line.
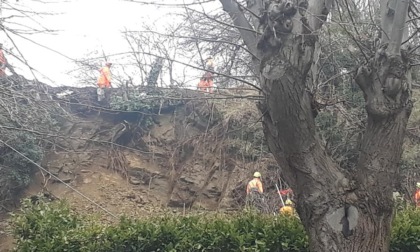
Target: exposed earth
(182,156)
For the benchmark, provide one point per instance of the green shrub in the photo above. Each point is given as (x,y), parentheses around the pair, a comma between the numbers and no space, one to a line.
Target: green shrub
(15,170)
(406,231)
(54,227)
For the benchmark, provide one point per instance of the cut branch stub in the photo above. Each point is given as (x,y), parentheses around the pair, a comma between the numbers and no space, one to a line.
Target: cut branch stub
(388,91)
(277,23)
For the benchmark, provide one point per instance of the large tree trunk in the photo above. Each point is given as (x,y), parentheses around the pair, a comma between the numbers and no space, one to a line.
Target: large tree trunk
(341,210)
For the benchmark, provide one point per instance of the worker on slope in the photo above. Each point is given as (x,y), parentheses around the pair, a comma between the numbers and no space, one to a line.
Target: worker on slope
(255,185)
(254,191)
(3,62)
(104,80)
(288,208)
(417,195)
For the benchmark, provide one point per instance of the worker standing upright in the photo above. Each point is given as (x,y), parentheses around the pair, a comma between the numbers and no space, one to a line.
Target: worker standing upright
(3,62)
(202,85)
(254,191)
(417,195)
(208,75)
(104,80)
(255,185)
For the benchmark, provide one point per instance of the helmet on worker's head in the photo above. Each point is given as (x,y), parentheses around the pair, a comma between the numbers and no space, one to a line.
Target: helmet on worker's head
(288,202)
(257,175)
(418,185)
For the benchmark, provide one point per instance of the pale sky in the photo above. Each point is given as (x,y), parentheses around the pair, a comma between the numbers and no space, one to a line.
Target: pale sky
(84,26)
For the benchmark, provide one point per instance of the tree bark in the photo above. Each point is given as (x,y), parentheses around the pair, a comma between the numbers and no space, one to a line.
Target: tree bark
(341,210)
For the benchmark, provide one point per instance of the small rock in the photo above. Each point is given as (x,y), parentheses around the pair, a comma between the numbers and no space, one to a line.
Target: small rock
(54,170)
(84,171)
(63,178)
(134,181)
(87,180)
(130,196)
(186,180)
(66,180)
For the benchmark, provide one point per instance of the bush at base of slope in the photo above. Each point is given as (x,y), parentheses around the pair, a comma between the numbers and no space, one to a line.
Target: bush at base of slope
(53,227)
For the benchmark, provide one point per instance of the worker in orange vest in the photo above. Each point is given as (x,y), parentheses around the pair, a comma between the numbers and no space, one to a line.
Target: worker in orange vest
(202,85)
(3,62)
(417,195)
(208,75)
(104,80)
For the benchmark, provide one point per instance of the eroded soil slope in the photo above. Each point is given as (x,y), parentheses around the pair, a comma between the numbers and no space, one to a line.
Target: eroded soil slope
(192,153)
(144,152)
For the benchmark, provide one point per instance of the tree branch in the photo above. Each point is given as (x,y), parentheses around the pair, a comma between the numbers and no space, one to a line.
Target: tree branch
(239,20)
(318,13)
(398,27)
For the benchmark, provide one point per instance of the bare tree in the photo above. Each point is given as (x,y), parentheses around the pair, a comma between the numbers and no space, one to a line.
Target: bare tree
(341,210)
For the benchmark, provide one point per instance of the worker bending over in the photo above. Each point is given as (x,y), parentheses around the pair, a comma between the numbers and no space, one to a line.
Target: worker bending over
(288,208)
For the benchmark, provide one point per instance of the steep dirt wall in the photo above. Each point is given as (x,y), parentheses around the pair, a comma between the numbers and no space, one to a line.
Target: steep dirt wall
(182,151)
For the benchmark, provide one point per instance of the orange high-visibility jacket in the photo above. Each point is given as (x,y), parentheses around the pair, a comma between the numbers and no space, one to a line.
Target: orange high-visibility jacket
(104,80)
(202,85)
(3,63)
(255,183)
(417,197)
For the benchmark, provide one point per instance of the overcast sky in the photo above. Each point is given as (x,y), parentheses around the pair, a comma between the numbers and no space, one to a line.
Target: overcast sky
(84,26)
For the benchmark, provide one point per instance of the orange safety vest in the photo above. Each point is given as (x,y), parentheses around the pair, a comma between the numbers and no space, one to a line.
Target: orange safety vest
(3,61)
(417,197)
(202,85)
(254,184)
(104,80)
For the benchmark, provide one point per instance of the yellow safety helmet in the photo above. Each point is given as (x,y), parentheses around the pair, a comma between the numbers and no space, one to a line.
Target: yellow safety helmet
(288,202)
(418,184)
(257,175)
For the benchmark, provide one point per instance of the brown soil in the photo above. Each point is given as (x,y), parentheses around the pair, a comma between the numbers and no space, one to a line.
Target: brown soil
(179,164)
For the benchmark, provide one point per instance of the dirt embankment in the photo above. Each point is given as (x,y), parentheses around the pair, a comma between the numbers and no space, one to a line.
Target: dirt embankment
(182,149)
(177,151)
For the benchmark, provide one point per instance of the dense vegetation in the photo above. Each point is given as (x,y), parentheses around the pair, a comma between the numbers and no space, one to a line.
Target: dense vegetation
(27,120)
(46,226)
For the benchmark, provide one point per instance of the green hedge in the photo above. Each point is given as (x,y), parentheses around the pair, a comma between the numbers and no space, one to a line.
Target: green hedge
(53,227)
